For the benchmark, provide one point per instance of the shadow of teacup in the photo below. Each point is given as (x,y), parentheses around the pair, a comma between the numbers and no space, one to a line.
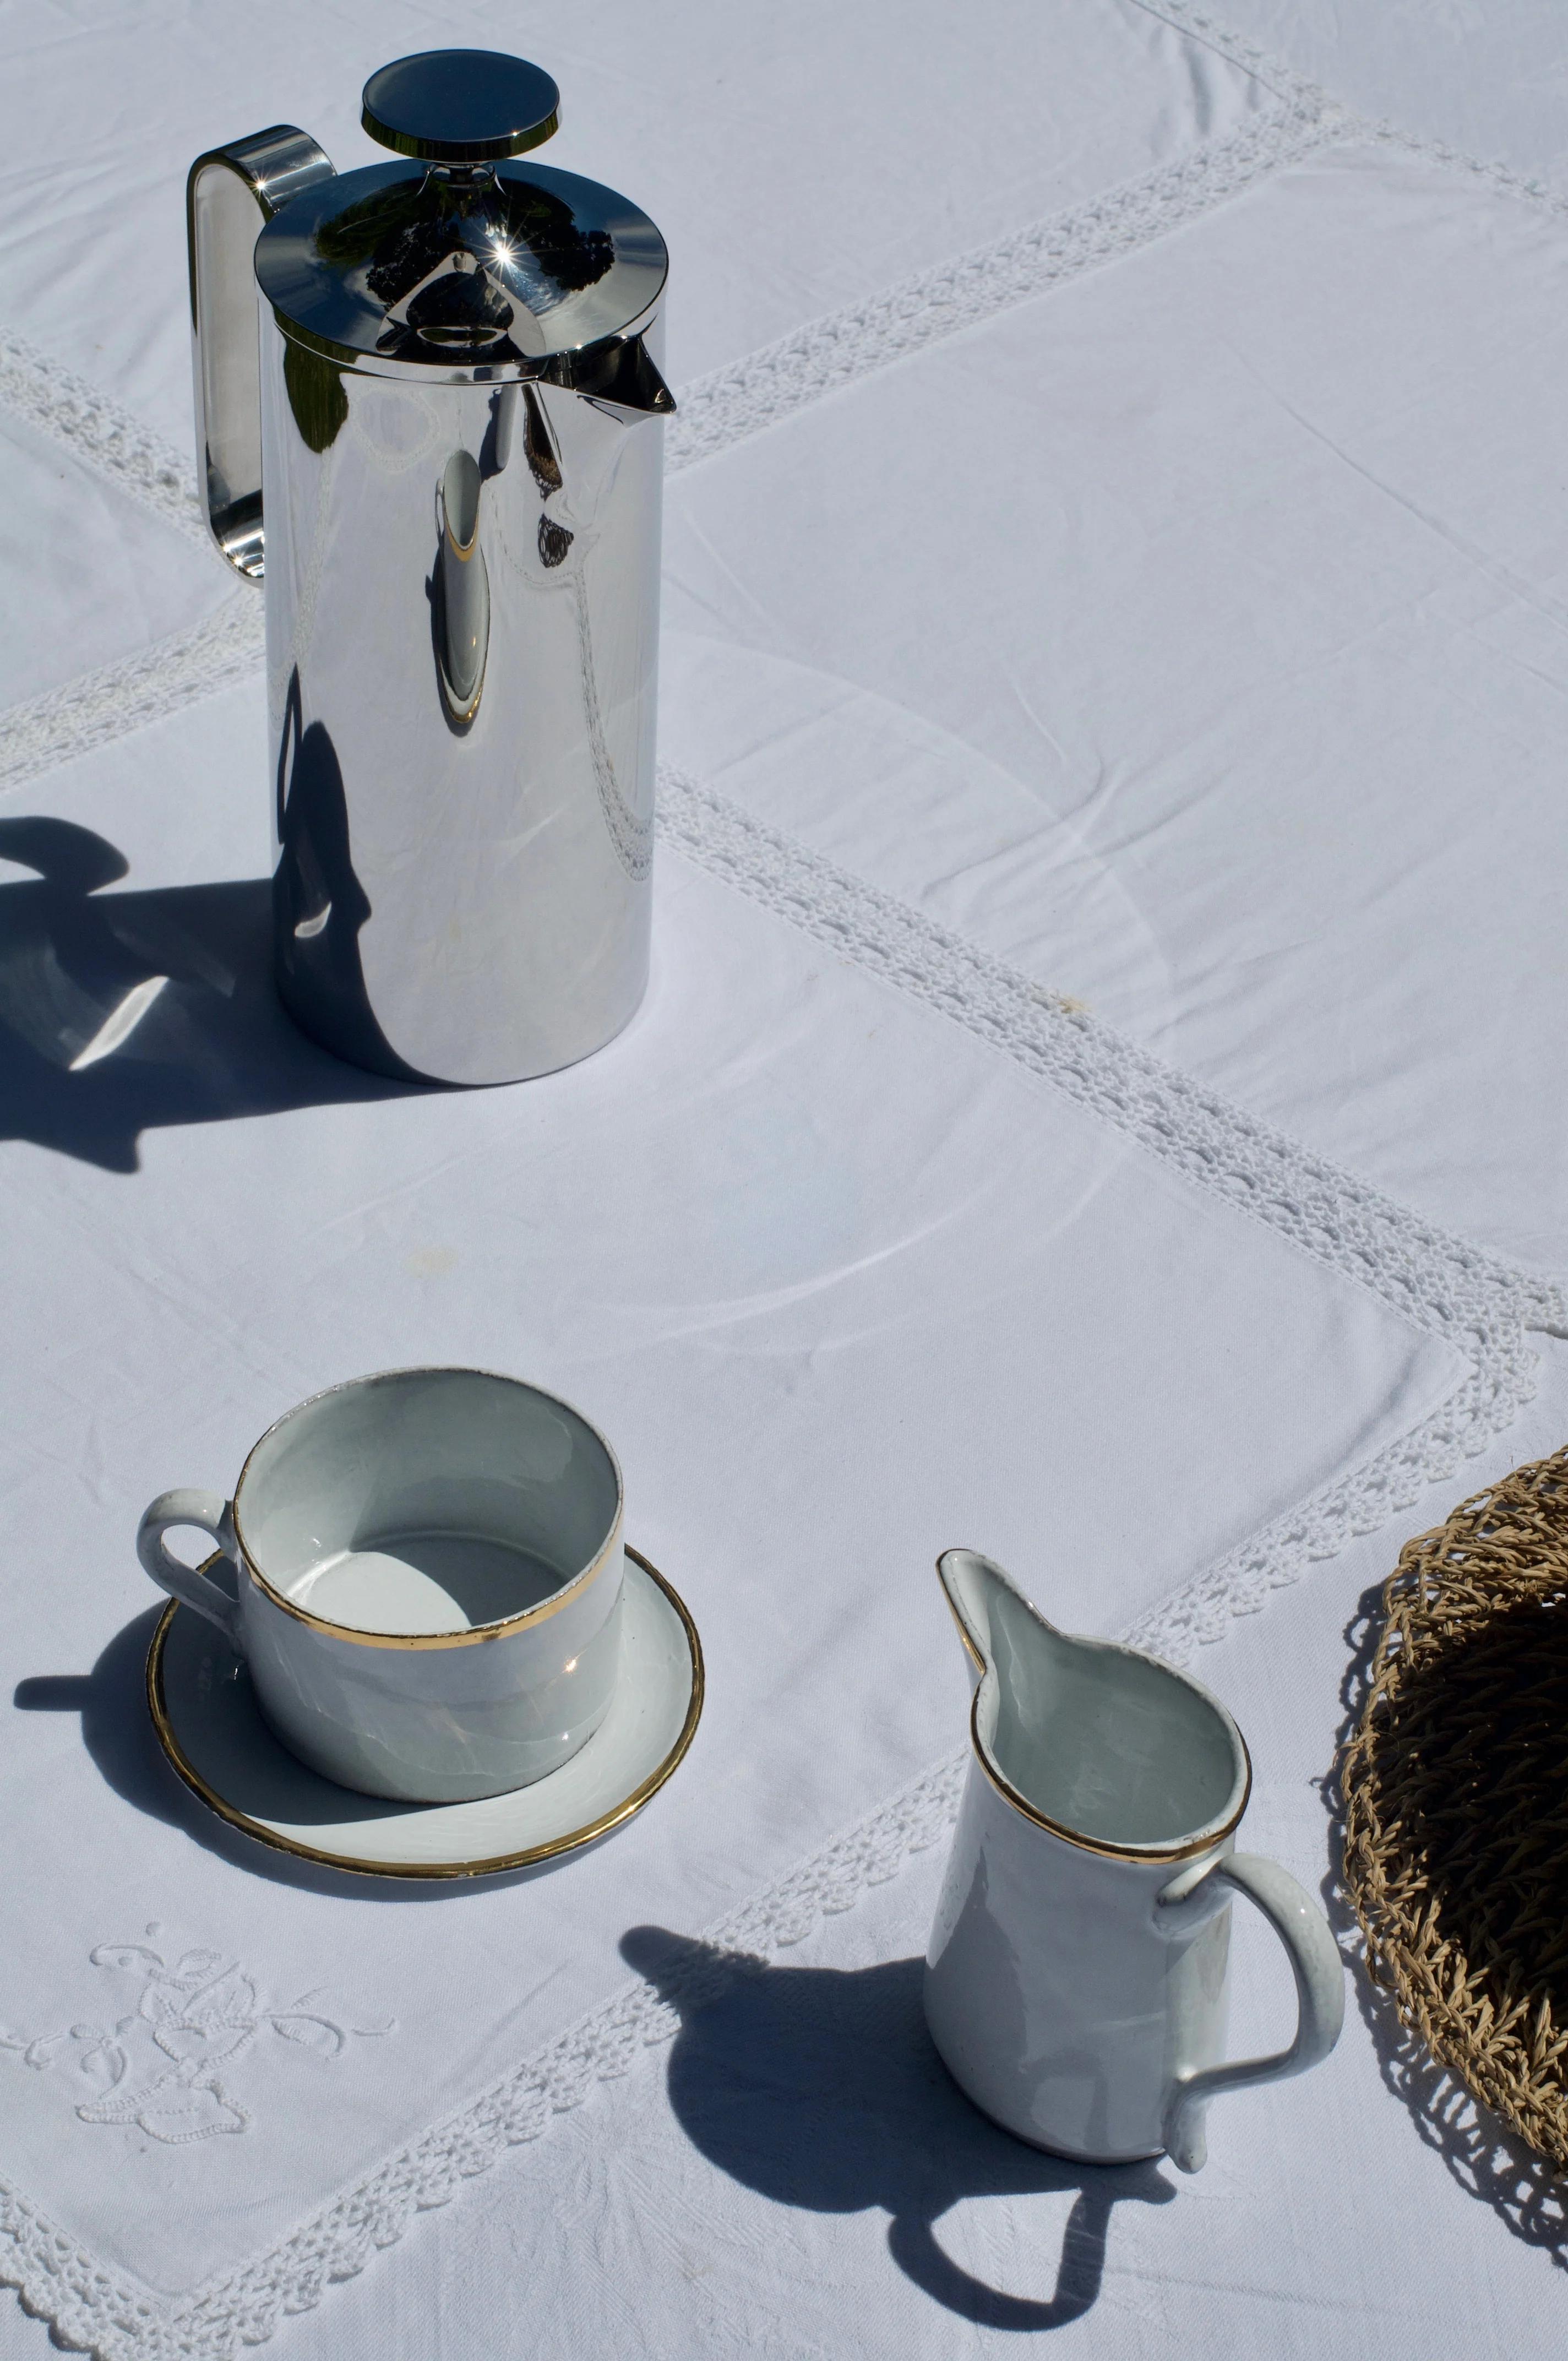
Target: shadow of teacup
(118,1732)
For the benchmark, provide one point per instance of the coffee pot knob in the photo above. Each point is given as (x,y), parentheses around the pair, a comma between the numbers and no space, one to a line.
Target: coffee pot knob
(460,106)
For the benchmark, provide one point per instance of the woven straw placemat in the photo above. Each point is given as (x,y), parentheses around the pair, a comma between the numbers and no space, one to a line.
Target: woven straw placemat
(1456,1788)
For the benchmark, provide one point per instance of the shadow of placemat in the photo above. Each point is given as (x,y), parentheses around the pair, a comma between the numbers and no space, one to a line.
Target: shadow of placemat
(1456,1788)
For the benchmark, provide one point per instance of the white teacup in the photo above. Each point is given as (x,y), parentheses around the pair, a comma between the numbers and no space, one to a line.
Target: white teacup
(423,1576)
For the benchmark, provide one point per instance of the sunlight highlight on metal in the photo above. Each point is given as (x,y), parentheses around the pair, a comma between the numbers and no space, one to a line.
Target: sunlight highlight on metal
(118,1027)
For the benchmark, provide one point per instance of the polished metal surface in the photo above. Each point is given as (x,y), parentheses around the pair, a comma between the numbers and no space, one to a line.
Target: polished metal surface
(454,425)
(463,277)
(229,193)
(460,591)
(462,625)
(460,106)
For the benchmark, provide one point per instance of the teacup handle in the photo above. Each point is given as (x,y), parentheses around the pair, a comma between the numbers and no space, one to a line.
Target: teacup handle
(1320,1992)
(193,1587)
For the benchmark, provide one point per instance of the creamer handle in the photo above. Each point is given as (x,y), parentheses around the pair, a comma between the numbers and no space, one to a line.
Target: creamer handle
(1320,1993)
(231,192)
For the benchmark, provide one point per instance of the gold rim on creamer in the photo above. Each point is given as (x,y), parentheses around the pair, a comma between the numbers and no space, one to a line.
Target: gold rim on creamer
(1184,1850)
(1103,1845)
(478,1633)
(573,1841)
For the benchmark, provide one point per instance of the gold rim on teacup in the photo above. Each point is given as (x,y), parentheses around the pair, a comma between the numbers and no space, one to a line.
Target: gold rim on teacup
(478,1633)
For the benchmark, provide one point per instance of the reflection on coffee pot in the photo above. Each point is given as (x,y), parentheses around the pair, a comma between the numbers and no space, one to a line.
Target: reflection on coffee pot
(460,592)
(440,456)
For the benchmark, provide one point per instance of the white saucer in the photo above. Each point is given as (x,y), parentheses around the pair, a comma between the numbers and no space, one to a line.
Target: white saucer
(208,1722)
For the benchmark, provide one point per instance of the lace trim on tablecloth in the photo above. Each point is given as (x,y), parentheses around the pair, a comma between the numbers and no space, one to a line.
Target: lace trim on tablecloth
(1471,1299)
(1453,1291)
(715,412)
(725,407)
(96,431)
(828,354)
(1263,65)
(1283,79)
(219,651)
(92,2306)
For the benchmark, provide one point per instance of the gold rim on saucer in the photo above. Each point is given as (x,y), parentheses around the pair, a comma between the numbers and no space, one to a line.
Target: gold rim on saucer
(554,1846)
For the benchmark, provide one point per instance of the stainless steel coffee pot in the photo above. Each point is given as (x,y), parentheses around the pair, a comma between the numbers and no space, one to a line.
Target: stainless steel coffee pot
(440,456)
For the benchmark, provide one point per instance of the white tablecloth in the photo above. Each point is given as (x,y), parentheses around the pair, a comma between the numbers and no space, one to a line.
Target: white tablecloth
(1112,688)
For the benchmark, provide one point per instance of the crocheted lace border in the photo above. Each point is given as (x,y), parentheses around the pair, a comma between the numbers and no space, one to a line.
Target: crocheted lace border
(715,412)
(1450,1290)
(1472,1300)
(725,408)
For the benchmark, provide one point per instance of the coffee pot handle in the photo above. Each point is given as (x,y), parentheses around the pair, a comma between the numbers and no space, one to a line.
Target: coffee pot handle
(193,1585)
(230,194)
(1320,1992)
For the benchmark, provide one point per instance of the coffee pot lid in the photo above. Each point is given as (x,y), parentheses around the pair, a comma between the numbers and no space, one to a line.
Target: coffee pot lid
(460,106)
(459,263)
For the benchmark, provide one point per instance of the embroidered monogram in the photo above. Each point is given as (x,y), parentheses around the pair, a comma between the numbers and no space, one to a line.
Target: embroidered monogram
(157,2066)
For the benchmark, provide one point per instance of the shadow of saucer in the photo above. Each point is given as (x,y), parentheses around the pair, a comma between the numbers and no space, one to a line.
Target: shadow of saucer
(821,2090)
(117,1731)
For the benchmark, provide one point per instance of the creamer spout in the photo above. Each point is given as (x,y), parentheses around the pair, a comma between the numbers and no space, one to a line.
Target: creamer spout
(969,1582)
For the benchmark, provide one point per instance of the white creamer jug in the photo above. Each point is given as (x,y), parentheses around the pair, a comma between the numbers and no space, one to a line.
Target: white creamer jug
(1076,1983)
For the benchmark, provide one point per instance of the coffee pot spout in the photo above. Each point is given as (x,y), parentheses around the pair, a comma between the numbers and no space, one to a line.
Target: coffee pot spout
(618,375)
